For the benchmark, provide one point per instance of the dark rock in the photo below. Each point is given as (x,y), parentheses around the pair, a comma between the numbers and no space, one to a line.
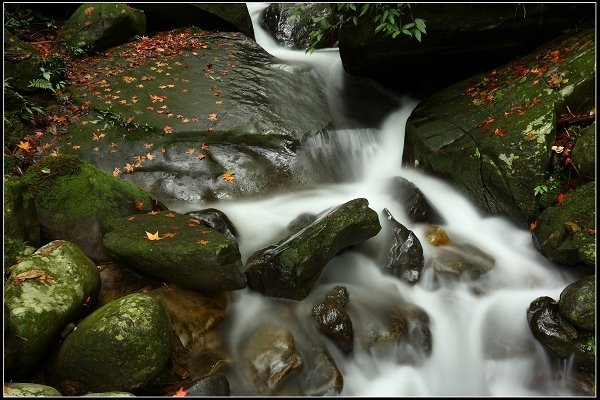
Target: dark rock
(415,204)
(403,252)
(22,62)
(214,385)
(461,40)
(290,268)
(300,222)
(333,320)
(217,220)
(550,328)
(584,152)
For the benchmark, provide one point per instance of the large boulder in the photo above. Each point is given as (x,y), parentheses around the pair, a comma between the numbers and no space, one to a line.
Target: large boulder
(578,303)
(584,151)
(461,40)
(74,200)
(43,293)
(16,389)
(178,249)
(99,26)
(119,347)
(231,17)
(491,135)
(20,217)
(196,116)
(566,232)
(290,268)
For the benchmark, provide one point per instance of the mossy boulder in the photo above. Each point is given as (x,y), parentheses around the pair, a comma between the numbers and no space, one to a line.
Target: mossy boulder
(584,152)
(183,252)
(213,116)
(74,200)
(22,62)
(119,347)
(45,292)
(578,303)
(461,40)
(20,217)
(290,268)
(99,26)
(491,135)
(15,389)
(566,232)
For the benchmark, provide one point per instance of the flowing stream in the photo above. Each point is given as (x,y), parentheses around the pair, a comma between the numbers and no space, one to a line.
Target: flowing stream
(481,342)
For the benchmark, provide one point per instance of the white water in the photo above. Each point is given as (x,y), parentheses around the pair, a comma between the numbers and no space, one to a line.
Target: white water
(482,345)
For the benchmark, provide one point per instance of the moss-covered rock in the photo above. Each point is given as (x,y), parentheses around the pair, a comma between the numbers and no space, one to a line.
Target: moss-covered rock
(99,26)
(20,216)
(578,303)
(491,135)
(45,292)
(119,347)
(22,62)
(74,200)
(290,268)
(184,251)
(14,389)
(566,232)
(14,249)
(584,152)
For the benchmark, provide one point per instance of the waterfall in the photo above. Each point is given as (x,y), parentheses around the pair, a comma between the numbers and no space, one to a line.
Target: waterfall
(481,342)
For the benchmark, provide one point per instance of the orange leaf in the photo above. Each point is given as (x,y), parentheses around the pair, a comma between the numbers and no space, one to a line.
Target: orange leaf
(201,156)
(212,117)
(90,10)
(170,215)
(151,236)
(139,204)
(180,393)
(228,176)
(167,129)
(499,132)
(149,156)
(204,146)
(153,212)
(190,151)
(203,242)
(168,235)
(533,225)
(24,145)
(116,172)
(148,145)
(561,197)
(128,167)
(194,221)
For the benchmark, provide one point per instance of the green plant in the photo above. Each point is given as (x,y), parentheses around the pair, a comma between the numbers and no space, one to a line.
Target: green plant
(46,83)
(387,17)
(27,111)
(545,188)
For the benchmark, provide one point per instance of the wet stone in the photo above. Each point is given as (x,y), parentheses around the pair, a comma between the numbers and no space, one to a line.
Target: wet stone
(415,203)
(334,321)
(217,220)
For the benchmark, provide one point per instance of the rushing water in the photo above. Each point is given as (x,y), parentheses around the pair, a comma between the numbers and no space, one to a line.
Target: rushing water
(482,345)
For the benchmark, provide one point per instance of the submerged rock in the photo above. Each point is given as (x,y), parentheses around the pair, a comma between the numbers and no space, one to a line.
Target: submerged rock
(290,268)
(43,293)
(119,347)
(334,321)
(269,356)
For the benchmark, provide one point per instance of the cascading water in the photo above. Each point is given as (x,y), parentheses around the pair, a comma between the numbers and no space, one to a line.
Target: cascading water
(481,343)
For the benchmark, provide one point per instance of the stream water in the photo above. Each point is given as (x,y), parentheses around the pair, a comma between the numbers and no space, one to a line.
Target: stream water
(481,342)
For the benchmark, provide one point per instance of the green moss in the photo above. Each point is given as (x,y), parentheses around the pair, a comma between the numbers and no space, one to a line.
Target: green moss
(12,250)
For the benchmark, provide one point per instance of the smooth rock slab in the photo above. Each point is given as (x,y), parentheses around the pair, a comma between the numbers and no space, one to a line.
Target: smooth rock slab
(45,292)
(119,347)
(186,253)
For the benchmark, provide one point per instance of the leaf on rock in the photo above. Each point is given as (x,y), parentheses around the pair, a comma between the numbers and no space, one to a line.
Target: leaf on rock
(152,236)
(36,274)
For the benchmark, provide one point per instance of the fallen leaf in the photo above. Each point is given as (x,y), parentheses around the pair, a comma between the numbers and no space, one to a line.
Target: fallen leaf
(228,176)
(170,215)
(561,197)
(201,156)
(153,212)
(212,117)
(203,242)
(204,146)
(131,218)
(533,225)
(116,172)
(139,204)
(194,221)
(499,132)
(36,274)
(149,156)
(180,393)
(76,147)
(24,145)
(151,236)
(168,235)
(167,129)
(190,151)
(90,11)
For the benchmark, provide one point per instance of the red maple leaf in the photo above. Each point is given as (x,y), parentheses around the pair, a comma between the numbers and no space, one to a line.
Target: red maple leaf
(180,393)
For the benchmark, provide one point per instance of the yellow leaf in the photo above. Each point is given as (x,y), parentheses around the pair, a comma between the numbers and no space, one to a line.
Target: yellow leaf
(152,236)
(24,145)
(203,242)
(212,117)
(190,151)
(170,215)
